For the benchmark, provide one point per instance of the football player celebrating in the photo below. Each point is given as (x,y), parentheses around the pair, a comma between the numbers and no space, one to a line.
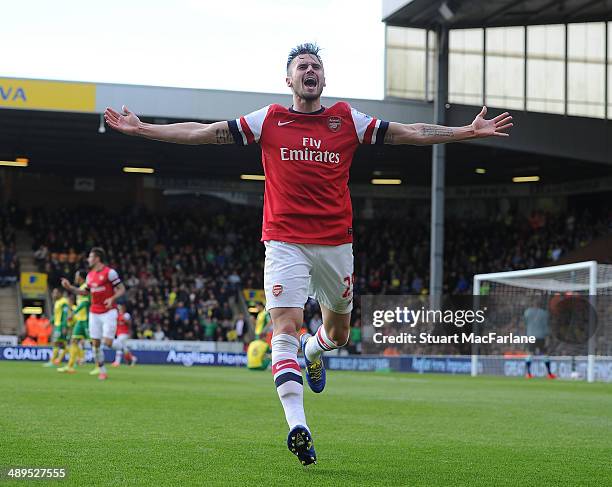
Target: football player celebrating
(307,150)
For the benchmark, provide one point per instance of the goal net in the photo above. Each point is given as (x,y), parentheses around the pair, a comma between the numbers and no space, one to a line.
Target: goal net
(568,308)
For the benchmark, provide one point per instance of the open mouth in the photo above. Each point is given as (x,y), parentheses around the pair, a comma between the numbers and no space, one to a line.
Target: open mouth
(310,81)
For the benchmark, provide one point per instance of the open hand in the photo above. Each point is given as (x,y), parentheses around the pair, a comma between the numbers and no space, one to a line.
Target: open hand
(65,283)
(494,127)
(125,122)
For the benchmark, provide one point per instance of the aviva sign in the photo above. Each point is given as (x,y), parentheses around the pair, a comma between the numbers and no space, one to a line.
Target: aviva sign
(47,95)
(12,94)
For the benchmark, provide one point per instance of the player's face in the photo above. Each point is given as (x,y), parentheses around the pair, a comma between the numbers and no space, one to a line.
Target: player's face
(92,259)
(55,294)
(306,77)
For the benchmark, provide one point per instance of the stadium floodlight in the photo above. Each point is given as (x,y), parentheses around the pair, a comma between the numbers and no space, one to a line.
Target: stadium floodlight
(102,126)
(32,310)
(252,177)
(525,179)
(386,181)
(561,289)
(139,170)
(19,162)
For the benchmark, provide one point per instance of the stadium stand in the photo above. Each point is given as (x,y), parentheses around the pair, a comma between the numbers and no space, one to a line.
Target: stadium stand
(182,269)
(385,263)
(9,264)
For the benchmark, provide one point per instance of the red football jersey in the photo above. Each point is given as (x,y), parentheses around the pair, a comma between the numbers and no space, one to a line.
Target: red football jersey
(306,159)
(123,324)
(100,285)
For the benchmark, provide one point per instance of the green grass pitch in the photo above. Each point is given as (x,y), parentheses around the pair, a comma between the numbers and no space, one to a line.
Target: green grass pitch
(172,425)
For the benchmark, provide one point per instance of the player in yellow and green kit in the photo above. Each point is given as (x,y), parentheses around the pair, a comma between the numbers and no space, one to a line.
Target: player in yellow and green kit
(263,320)
(80,331)
(61,313)
(258,353)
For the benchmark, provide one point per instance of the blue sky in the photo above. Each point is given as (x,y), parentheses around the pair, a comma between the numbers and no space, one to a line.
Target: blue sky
(231,45)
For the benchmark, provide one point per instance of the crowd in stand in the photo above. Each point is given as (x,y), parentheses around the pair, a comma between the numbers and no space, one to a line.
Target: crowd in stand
(182,270)
(9,264)
(392,259)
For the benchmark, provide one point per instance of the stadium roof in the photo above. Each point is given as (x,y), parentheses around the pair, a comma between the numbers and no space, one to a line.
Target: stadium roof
(70,144)
(464,14)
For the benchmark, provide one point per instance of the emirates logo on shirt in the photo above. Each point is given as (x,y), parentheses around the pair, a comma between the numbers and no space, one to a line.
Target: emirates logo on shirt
(277,290)
(334,123)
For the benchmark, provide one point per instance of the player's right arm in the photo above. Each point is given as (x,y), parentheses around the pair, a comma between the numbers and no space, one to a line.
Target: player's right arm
(82,305)
(190,133)
(73,289)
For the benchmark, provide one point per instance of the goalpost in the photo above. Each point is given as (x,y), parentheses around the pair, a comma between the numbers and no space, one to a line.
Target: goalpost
(578,296)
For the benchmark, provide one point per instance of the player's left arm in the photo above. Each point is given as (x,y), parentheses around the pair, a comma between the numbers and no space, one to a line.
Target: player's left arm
(428,134)
(118,287)
(119,291)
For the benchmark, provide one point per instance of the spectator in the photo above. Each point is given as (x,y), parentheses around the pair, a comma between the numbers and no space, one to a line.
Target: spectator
(239,326)
(355,337)
(159,334)
(210,329)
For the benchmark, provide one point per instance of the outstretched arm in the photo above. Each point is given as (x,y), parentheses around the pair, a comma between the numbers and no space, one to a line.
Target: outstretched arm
(191,133)
(427,134)
(73,289)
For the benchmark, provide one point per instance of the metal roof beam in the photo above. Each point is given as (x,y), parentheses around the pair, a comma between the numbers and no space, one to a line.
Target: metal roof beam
(579,9)
(511,4)
(542,9)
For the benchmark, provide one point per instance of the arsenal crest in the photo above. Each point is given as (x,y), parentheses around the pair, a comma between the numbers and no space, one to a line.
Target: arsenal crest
(277,289)
(334,123)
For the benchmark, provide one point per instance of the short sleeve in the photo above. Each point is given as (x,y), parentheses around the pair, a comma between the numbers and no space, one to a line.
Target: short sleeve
(369,130)
(113,277)
(247,130)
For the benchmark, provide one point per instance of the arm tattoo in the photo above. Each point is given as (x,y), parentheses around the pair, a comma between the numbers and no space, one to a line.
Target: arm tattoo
(388,138)
(436,130)
(224,136)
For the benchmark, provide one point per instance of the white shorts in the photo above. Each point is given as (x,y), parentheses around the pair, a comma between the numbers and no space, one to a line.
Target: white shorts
(293,272)
(121,340)
(103,325)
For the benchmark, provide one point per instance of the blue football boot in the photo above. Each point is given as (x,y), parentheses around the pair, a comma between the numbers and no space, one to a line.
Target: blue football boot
(315,371)
(300,444)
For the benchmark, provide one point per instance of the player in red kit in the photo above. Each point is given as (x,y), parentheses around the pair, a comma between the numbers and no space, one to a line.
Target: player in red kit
(307,150)
(124,333)
(105,287)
